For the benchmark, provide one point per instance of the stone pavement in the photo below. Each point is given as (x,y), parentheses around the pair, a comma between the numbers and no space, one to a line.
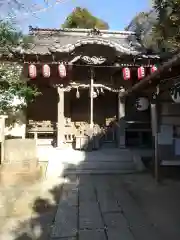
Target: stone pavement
(99,207)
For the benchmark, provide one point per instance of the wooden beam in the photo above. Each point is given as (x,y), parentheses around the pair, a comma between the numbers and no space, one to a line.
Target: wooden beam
(60,118)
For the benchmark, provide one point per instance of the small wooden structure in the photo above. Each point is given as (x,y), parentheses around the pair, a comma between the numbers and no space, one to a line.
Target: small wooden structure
(82,74)
(164,89)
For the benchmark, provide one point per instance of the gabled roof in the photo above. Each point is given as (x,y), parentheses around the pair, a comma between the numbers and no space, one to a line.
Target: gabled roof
(48,41)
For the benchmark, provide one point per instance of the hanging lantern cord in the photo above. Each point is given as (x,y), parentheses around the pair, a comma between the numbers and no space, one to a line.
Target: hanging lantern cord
(102,91)
(77,93)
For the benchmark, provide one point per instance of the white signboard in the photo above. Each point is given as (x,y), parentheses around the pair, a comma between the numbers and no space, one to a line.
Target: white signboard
(165,136)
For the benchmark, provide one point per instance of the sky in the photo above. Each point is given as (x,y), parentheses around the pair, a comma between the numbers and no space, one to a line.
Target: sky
(118,13)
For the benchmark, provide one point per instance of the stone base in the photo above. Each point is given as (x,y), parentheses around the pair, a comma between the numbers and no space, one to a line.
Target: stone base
(138,162)
(63,146)
(122,146)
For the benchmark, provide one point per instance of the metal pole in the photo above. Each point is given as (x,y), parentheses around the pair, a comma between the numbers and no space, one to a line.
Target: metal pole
(156,167)
(91,98)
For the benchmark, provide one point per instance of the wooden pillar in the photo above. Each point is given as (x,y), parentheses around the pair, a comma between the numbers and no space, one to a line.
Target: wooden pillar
(154,125)
(91,99)
(60,118)
(121,122)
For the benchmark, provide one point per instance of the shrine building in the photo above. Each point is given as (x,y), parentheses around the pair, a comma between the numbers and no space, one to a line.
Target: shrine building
(81,74)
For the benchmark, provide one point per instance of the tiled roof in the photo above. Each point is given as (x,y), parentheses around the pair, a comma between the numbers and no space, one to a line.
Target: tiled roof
(48,41)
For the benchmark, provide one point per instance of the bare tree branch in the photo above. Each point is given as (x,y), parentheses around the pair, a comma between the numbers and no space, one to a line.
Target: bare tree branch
(12,8)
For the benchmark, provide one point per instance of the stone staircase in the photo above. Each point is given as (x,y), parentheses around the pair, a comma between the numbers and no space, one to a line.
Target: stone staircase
(104,161)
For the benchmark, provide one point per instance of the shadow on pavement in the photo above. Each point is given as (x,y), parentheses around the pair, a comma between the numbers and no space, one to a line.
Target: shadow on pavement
(112,212)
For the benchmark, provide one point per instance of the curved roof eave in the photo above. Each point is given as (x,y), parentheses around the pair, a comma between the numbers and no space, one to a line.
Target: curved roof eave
(91,41)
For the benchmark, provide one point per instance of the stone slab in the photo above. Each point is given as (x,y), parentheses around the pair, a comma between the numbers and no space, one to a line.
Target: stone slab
(130,209)
(92,235)
(115,220)
(90,216)
(65,224)
(66,238)
(70,194)
(87,193)
(109,206)
(145,232)
(104,191)
(119,234)
(106,198)
(140,226)
(117,227)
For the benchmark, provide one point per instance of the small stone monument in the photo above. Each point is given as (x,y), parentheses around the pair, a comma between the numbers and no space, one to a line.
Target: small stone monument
(17,155)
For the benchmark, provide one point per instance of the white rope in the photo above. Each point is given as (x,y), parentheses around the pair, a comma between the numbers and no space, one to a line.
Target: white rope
(83,86)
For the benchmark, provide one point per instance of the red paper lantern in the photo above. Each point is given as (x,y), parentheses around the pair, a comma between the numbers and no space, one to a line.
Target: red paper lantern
(126,73)
(46,71)
(32,71)
(62,70)
(141,72)
(153,68)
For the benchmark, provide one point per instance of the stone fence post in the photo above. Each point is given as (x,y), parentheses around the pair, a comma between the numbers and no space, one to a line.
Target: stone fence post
(2,135)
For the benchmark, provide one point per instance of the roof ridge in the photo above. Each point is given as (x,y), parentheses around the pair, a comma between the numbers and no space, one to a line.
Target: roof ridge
(34,30)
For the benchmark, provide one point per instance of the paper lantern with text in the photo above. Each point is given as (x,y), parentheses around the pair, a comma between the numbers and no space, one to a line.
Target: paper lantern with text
(142,104)
(46,71)
(62,70)
(141,73)
(126,73)
(153,68)
(32,71)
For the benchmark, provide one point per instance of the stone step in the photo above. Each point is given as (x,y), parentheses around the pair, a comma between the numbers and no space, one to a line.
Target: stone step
(98,171)
(108,145)
(102,158)
(96,162)
(104,165)
(94,156)
(102,168)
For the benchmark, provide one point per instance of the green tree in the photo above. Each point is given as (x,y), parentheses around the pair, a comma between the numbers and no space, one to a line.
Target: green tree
(142,24)
(167,28)
(11,37)
(82,18)
(159,29)
(12,82)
